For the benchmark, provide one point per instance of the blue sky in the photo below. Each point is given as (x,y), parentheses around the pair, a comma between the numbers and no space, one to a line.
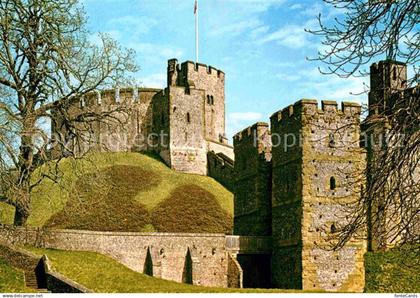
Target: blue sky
(260,45)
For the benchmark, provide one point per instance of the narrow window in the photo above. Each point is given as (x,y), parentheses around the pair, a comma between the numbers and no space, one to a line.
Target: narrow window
(188,118)
(331,140)
(394,73)
(332,183)
(333,229)
(98,97)
(82,102)
(208,99)
(212,100)
(117,95)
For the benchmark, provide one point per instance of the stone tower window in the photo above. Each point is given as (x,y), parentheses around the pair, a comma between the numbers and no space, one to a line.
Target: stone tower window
(332,183)
(331,142)
(188,118)
(210,99)
(333,229)
(82,102)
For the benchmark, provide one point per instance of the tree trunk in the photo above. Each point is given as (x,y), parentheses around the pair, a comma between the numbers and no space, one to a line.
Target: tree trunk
(22,210)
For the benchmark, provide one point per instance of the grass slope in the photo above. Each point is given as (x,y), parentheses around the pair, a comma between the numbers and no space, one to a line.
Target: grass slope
(393,271)
(104,275)
(11,280)
(128,192)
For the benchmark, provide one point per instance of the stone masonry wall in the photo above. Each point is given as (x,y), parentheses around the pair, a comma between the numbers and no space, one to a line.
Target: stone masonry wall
(252,181)
(221,168)
(168,252)
(386,77)
(212,82)
(225,149)
(286,261)
(181,123)
(160,126)
(188,148)
(314,180)
(108,135)
(333,165)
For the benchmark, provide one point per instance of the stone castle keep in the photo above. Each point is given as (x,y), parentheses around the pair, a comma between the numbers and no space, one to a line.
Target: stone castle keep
(294,180)
(182,123)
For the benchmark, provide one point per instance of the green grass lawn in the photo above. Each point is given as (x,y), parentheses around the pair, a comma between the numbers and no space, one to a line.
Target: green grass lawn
(128,192)
(11,279)
(104,275)
(393,271)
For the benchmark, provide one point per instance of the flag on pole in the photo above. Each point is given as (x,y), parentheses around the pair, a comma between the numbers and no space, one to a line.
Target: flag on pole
(196,29)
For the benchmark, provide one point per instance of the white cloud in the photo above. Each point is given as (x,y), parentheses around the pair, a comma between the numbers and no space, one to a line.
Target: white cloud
(288,77)
(312,10)
(235,28)
(295,6)
(292,36)
(155,51)
(256,6)
(133,25)
(256,32)
(332,87)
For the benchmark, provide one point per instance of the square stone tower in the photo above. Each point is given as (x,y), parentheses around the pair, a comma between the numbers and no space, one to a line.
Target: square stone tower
(317,172)
(190,117)
(252,181)
(386,78)
(388,93)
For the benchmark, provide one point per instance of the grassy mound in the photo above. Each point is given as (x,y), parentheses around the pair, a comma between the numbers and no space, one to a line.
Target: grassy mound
(104,275)
(125,192)
(191,203)
(105,201)
(393,271)
(11,279)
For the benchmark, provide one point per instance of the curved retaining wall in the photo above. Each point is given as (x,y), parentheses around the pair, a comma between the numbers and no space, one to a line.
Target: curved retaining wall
(198,258)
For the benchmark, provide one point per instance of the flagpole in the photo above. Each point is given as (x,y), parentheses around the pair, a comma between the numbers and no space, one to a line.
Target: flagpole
(196,31)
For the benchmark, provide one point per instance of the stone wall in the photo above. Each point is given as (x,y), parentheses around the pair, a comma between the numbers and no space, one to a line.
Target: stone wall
(386,78)
(58,283)
(212,82)
(286,198)
(188,148)
(160,126)
(169,253)
(221,168)
(235,273)
(388,92)
(221,148)
(39,271)
(181,123)
(314,182)
(128,128)
(252,182)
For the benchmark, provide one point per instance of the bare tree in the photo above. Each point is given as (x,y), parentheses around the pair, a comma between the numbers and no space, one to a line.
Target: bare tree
(47,64)
(366,31)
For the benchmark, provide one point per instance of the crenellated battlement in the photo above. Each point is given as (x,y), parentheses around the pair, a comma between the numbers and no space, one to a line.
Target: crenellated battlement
(311,107)
(110,97)
(191,74)
(256,136)
(251,131)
